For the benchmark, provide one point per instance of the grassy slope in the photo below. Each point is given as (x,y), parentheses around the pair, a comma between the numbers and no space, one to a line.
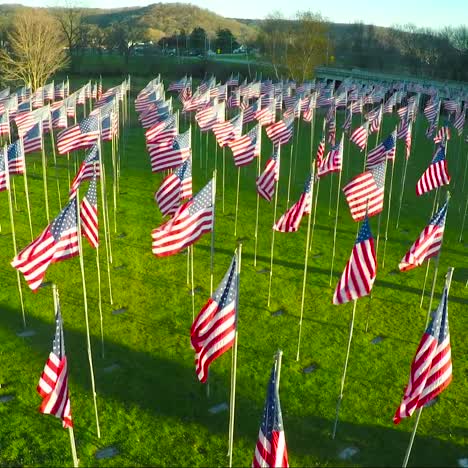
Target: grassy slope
(153,409)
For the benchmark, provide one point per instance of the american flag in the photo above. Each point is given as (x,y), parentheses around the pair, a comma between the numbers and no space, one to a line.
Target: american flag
(89,215)
(428,243)
(38,98)
(234,99)
(282,131)
(270,176)
(58,115)
(32,139)
(247,147)
(5,123)
(16,162)
(348,119)
(49,91)
(211,115)
(169,154)
(251,111)
(86,171)
(267,115)
(436,175)
(228,131)
(26,120)
(321,148)
(155,113)
(459,121)
(333,162)
(271,450)
(53,384)
(308,113)
(431,368)
(366,192)
(443,134)
(431,111)
(376,121)
(384,151)
(175,187)
(233,81)
(359,274)
(109,125)
(359,135)
(192,219)
(80,136)
(58,241)
(291,220)
(164,130)
(213,331)
(178,85)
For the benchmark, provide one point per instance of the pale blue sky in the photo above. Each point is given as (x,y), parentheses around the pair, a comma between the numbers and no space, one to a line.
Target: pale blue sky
(431,13)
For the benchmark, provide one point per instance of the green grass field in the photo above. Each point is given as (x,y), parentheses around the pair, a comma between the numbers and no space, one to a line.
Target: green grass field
(152,408)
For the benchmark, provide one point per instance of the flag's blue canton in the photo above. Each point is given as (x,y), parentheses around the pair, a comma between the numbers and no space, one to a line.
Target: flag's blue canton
(439,217)
(439,317)
(182,141)
(184,170)
(58,346)
(308,184)
(169,122)
(440,154)
(2,162)
(364,232)
(33,132)
(203,199)
(379,174)
(93,155)
(253,134)
(226,292)
(90,124)
(15,151)
(24,106)
(389,142)
(91,194)
(65,220)
(272,418)
(57,113)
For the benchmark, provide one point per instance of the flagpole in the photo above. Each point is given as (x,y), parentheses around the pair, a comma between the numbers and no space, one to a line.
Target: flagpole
(273,232)
(336,215)
(192,282)
(26,189)
(289,179)
(464,173)
(434,279)
(343,377)
(463,222)
(380,214)
(212,249)
(105,219)
(224,172)
(13,232)
(98,267)
(389,209)
(297,145)
(52,142)
(85,301)
(402,189)
(237,201)
(234,363)
(448,281)
(258,196)
(70,428)
(306,262)
(114,179)
(44,175)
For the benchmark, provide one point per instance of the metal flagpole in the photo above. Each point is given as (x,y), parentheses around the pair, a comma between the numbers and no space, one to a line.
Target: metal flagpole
(105,219)
(343,377)
(402,189)
(237,201)
(85,301)
(337,209)
(13,233)
(463,222)
(224,172)
(234,363)
(44,174)
(289,179)
(258,196)
(389,208)
(296,154)
(70,428)
(273,232)
(192,282)
(26,189)
(52,142)
(380,214)
(434,280)
(306,262)
(448,281)
(213,201)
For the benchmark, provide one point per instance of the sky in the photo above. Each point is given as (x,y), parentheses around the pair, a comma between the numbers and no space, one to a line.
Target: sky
(424,13)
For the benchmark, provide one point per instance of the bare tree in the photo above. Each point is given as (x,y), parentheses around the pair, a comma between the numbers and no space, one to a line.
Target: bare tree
(34,49)
(70,20)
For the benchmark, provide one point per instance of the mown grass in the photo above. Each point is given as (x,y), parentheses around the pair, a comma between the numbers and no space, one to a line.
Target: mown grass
(152,408)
